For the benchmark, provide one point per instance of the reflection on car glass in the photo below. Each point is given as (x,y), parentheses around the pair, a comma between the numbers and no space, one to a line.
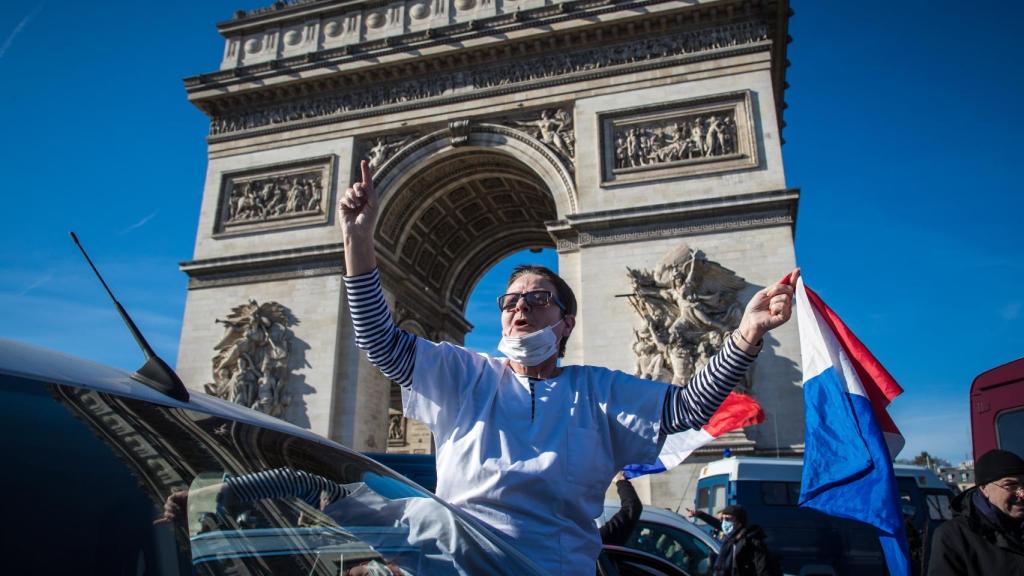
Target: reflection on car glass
(411,532)
(679,548)
(295,506)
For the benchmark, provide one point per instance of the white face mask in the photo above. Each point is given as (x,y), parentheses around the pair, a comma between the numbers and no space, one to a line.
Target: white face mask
(727,526)
(532,349)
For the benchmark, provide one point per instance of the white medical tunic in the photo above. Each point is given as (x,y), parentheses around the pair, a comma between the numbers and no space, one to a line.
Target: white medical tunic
(534,469)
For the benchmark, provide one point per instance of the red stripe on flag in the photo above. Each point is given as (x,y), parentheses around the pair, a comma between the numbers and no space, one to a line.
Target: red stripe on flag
(737,411)
(880,387)
(871,372)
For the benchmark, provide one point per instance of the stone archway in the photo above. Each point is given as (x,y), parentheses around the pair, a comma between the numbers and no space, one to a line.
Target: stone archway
(449,213)
(452,206)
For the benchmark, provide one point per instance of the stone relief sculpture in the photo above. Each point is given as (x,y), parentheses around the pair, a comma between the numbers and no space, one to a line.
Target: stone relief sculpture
(384,147)
(397,425)
(483,77)
(686,138)
(250,366)
(274,197)
(687,306)
(554,129)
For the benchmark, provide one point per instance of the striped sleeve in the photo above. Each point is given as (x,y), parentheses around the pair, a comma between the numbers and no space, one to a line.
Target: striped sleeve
(282,483)
(389,348)
(691,407)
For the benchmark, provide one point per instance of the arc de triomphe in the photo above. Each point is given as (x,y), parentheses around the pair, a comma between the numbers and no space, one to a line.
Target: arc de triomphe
(641,139)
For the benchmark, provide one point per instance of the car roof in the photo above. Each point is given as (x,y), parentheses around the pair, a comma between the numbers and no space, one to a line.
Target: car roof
(48,366)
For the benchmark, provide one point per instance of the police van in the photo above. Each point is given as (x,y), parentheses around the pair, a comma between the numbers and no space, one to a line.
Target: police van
(806,541)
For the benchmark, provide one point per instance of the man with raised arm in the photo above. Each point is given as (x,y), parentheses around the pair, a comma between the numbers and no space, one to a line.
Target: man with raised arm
(525,445)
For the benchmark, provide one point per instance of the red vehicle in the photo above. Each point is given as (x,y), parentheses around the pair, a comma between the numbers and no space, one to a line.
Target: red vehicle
(997,409)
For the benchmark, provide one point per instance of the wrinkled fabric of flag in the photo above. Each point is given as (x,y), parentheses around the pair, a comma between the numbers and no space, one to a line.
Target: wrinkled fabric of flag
(737,411)
(850,440)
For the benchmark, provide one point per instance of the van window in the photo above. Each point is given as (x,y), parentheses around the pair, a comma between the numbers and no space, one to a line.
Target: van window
(703,498)
(719,499)
(1010,431)
(780,493)
(938,506)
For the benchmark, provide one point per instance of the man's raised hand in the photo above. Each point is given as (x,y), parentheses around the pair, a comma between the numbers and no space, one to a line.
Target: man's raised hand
(357,208)
(768,309)
(357,211)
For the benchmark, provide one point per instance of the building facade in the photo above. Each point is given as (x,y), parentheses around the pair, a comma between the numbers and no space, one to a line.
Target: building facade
(642,140)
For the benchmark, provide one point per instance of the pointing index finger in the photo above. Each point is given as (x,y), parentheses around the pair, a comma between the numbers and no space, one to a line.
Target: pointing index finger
(364,167)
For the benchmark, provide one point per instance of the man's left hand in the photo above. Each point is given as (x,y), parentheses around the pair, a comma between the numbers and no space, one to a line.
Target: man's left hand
(768,309)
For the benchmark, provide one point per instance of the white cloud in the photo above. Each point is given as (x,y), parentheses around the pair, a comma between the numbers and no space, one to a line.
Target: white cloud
(17,29)
(36,284)
(139,224)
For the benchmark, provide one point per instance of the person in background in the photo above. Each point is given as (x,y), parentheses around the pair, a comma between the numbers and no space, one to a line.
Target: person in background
(914,543)
(744,552)
(985,535)
(616,531)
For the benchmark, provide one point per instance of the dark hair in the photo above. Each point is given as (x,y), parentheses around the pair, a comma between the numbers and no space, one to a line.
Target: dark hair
(562,291)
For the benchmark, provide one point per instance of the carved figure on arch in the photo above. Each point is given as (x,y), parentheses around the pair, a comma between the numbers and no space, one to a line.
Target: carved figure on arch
(687,306)
(379,153)
(555,130)
(682,138)
(250,365)
(397,425)
(274,197)
(381,149)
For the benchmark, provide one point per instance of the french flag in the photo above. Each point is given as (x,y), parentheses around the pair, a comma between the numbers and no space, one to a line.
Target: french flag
(850,440)
(736,411)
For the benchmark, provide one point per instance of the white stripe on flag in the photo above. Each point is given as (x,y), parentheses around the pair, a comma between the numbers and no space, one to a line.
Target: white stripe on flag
(820,348)
(680,445)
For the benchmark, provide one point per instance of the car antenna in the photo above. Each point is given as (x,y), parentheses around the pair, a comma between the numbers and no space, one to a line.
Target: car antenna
(155,373)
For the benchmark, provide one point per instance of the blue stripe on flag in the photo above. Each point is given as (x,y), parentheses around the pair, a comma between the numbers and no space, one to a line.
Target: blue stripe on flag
(847,471)
(634,470)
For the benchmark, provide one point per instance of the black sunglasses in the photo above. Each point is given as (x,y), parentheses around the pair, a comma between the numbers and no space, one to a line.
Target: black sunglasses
(534,298)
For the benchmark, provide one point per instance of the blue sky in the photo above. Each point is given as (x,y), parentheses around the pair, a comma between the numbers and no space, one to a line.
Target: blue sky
(903,121)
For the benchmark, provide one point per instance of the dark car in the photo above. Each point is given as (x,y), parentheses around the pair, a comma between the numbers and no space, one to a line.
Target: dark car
(109,476)
(668,535)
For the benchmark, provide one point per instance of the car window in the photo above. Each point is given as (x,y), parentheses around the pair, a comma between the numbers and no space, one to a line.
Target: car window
(72,504)
(207,495)
(1010,431)
(677,546)
(939,506)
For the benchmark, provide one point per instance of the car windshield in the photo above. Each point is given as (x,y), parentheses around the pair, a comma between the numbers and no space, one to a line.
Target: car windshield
(136,488)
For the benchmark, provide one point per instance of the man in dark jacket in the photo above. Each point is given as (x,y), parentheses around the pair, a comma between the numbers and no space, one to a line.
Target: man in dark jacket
(985,535)
(743,549)
(617,530)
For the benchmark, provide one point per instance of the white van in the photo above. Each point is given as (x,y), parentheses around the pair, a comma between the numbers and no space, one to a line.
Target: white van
(805,540)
